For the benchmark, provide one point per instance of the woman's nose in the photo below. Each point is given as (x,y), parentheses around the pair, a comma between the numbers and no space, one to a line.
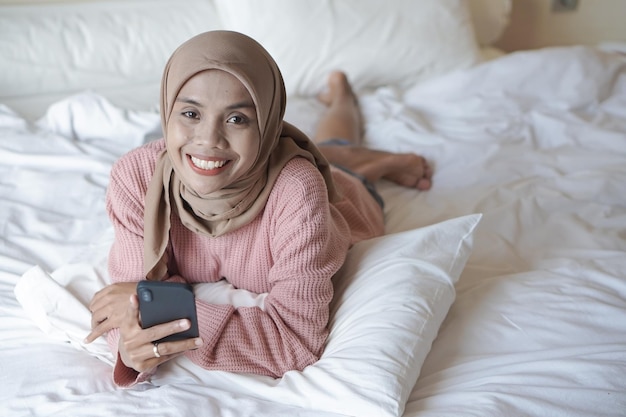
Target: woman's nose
(209,134)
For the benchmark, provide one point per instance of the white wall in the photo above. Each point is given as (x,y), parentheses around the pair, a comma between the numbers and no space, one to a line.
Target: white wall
(534,24)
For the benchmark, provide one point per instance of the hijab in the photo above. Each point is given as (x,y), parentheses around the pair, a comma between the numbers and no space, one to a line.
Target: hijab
(237,204)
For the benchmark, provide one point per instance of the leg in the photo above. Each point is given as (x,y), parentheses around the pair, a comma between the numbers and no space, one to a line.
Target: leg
(342,120)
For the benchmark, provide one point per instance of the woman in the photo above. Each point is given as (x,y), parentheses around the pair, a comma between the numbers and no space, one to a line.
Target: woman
(233,192)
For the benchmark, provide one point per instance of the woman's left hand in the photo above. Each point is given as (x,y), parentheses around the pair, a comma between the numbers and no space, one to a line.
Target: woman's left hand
(108,308)
(137,348)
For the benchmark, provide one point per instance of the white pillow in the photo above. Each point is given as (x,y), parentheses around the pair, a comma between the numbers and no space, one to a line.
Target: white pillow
(376,42)
(102,45)
(391,297)
(490,18)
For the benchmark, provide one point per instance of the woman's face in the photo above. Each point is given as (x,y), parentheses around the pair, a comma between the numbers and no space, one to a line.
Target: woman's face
(212,134)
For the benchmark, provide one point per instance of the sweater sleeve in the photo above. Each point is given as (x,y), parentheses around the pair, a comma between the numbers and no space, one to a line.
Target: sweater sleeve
(125,202)
(309,240)
(125,206)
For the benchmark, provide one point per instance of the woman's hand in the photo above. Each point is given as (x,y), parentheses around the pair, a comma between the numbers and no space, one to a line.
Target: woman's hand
(136,347)
(108,308)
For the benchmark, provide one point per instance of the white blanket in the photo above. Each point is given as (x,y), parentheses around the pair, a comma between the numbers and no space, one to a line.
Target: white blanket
(536,141)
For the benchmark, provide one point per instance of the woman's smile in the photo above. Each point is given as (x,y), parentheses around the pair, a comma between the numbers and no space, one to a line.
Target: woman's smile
(207,166)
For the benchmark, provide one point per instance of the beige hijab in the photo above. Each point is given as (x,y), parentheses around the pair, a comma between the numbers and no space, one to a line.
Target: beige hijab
(239,203)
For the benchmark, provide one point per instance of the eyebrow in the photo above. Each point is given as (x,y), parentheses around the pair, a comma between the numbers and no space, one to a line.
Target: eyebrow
(239,105)
(187,100)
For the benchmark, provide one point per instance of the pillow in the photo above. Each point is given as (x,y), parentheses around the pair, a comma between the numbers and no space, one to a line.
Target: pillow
(397,42)
(100,45)
(391,296)
(490,18)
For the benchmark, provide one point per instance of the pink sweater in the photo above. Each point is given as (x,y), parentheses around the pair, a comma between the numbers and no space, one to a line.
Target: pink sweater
(290,251)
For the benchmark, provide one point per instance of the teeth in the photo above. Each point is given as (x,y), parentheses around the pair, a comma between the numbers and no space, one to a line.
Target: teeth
(208,165)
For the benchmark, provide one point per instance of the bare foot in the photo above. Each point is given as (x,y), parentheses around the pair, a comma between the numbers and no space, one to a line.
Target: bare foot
(339,90)
(406,169)
(342,119)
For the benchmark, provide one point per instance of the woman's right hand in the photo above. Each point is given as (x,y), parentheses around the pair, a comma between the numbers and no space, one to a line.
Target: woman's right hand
(108,307)
(136,347)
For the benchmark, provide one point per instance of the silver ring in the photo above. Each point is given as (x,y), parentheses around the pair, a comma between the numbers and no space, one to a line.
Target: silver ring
(155,349)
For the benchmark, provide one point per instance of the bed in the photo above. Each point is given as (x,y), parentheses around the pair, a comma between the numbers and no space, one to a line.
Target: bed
(499,292)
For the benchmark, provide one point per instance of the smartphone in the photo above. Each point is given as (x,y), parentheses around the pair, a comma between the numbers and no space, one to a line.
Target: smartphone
(162,302)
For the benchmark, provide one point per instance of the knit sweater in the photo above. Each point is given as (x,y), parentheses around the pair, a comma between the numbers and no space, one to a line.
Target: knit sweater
(290,251)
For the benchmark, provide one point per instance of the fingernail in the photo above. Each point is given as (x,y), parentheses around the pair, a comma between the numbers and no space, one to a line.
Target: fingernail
(184,324)
(199,342)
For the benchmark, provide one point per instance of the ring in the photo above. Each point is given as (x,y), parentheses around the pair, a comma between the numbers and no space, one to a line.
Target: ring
(155,349)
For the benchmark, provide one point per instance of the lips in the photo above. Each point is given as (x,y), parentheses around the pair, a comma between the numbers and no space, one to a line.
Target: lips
(207,166)
(204,164)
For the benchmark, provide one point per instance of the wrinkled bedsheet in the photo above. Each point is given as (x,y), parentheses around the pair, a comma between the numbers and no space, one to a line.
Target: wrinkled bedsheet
(535,141)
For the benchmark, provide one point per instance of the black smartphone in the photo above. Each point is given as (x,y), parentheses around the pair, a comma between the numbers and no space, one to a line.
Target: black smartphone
(162,302)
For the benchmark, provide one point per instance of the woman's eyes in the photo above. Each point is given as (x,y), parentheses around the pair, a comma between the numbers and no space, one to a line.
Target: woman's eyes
(190,114)
(235,119)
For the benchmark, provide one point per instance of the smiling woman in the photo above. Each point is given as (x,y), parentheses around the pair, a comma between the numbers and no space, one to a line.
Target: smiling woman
(234,192)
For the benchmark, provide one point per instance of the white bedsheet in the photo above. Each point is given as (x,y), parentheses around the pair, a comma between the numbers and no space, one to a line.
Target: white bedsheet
(536,141)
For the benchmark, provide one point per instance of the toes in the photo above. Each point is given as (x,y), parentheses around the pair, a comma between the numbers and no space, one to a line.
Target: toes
(410,170)
(424,184)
